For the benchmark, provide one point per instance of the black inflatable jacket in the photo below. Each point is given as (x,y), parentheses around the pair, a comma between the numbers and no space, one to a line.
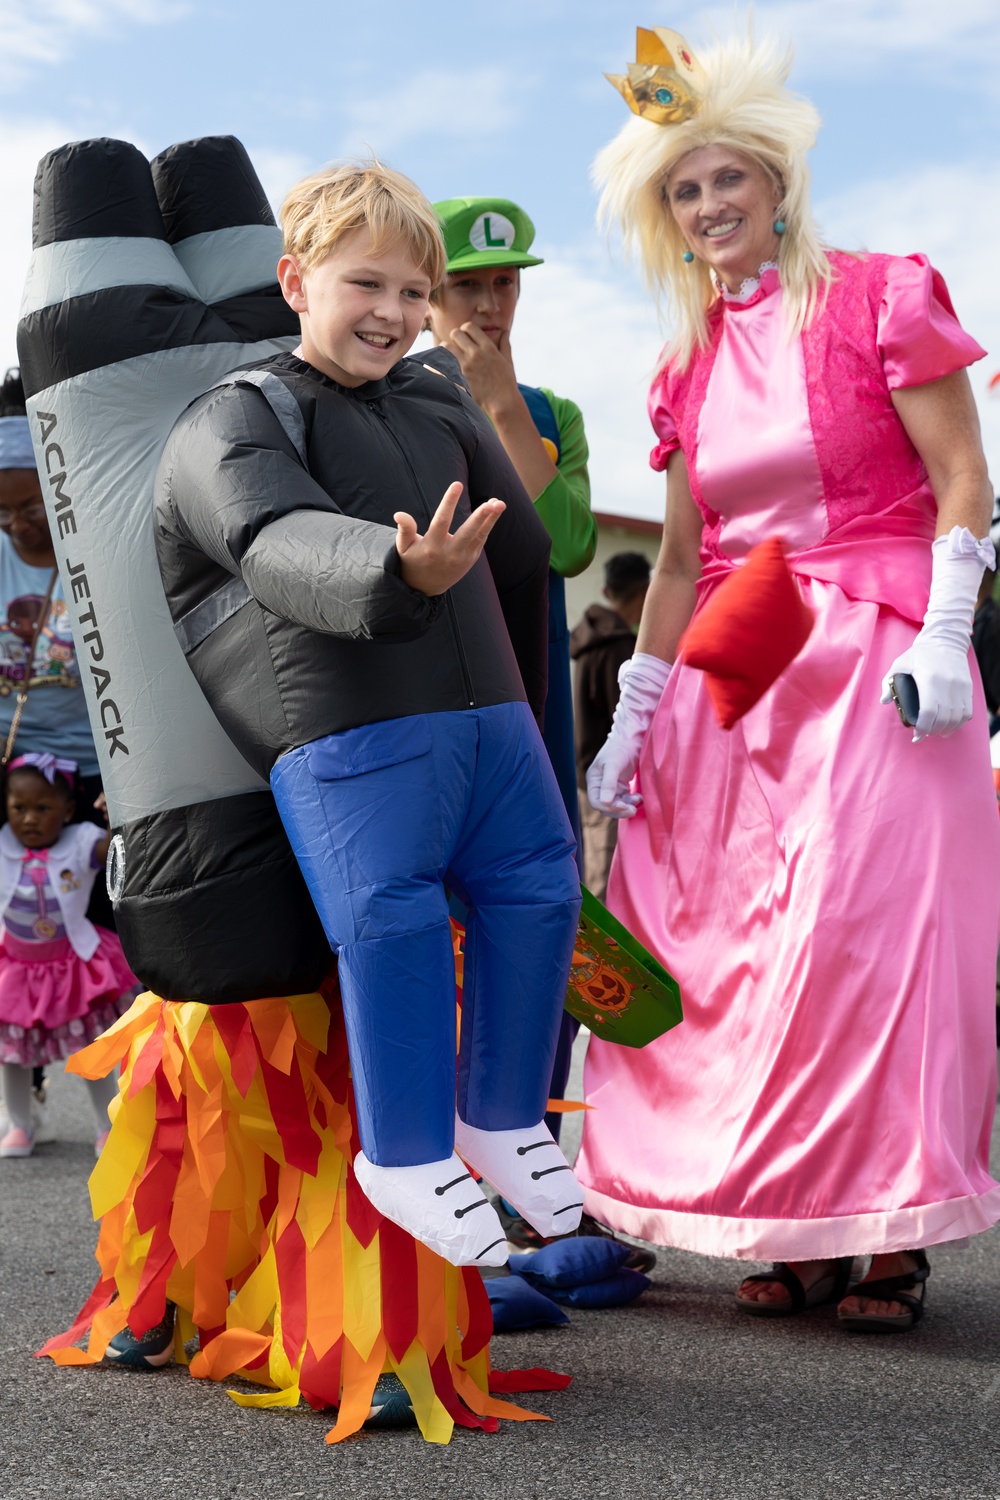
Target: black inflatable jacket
(276,544)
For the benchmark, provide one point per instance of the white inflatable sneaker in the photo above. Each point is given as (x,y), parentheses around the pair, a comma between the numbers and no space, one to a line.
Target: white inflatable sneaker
(528,1169)
(441,1204)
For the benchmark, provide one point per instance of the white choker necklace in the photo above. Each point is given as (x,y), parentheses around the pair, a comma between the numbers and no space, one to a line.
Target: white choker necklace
(750,285)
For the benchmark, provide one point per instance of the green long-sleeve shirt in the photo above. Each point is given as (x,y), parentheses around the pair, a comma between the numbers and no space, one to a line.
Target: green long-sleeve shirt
(564,504)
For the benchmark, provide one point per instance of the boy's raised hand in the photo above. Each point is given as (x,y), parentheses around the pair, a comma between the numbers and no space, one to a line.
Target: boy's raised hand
(432,563)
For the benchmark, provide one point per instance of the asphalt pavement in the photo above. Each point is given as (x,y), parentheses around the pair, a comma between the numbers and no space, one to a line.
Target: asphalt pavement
(679,1395)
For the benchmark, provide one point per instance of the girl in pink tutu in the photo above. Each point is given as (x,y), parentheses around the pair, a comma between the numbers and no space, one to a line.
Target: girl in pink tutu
(62,980)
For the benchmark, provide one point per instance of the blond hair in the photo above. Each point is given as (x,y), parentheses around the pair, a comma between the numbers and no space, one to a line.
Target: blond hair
(323,209)
(748,109)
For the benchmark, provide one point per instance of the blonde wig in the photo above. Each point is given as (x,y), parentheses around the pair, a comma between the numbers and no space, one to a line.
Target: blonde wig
(747,108)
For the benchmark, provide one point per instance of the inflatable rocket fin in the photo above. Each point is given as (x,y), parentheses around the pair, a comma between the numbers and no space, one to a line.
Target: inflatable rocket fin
(148,284)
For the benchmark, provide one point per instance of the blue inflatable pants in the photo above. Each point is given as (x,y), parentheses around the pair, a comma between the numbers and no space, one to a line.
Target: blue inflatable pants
(384,820)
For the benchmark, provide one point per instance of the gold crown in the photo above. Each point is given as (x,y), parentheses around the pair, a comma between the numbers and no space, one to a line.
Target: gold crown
(666,83)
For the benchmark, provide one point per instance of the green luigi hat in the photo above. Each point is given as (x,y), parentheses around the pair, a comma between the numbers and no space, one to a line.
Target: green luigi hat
(485,232)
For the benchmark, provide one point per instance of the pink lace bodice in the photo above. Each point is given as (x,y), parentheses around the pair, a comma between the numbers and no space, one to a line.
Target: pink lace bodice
(800,439)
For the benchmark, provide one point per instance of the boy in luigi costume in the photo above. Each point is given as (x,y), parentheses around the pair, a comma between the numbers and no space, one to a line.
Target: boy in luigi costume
(488,243)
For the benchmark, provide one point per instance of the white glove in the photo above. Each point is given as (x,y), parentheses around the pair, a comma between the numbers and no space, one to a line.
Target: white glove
(641,679)
(938,660)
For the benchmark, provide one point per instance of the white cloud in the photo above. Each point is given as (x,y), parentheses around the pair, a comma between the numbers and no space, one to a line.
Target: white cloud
(952,214)
(589,333)
(856,37)
(25,142)
(470,102)
(43,32)
(278,170)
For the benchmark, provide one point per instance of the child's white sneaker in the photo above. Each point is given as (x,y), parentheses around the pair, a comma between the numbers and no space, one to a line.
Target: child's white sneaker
(18,1142)
(528,1169)
(439,1203)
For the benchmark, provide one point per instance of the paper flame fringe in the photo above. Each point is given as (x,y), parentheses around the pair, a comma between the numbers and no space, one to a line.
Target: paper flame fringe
(226,1187)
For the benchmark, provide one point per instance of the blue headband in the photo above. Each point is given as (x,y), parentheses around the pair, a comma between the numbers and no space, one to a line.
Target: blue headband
(16,451)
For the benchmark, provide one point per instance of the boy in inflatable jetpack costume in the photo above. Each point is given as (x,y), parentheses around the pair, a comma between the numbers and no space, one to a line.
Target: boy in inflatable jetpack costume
(343,643)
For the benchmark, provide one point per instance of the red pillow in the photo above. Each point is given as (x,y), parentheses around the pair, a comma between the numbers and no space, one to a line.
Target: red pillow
(752,627)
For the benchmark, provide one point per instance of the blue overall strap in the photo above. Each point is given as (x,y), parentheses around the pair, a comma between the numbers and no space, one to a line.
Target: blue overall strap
(558,736)
(542,415)
(558,731)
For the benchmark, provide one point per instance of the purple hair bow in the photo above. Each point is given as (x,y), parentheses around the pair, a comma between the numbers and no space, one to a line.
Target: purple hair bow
(50,766)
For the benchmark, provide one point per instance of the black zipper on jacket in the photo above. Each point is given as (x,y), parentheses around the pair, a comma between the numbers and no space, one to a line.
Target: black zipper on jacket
(456,634)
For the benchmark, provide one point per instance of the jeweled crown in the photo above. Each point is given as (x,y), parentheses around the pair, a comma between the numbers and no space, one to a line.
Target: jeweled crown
(666,83)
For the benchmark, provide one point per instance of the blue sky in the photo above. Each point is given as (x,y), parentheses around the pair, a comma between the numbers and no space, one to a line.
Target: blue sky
(510,99)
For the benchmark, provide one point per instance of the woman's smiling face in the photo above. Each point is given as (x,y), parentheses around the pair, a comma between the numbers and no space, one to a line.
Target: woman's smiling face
(725,206)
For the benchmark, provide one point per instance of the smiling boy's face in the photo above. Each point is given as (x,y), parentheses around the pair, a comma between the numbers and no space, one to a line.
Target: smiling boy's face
(360,312)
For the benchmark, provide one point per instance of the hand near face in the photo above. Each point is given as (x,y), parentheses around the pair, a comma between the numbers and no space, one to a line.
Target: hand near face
(487,366)
(439,558)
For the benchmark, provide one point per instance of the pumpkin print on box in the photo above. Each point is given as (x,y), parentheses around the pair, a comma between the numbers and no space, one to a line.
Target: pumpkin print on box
(616,987)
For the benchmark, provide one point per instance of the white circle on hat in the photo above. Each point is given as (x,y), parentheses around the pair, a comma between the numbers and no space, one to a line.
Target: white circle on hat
(492,231)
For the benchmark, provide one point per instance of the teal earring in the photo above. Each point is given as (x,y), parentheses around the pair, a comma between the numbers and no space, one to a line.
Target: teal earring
(689,255)
(779,226)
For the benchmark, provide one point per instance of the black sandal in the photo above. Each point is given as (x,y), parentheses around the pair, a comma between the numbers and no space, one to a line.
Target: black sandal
(890,1289)
(829,1288)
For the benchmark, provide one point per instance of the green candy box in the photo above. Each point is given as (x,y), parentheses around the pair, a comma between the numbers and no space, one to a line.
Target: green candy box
(616,987)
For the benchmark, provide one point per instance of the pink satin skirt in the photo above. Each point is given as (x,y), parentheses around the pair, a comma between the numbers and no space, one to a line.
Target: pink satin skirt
(828,896)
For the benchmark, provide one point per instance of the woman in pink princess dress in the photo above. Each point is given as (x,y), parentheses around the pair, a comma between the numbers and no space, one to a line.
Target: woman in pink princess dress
(62,980)
(823,881)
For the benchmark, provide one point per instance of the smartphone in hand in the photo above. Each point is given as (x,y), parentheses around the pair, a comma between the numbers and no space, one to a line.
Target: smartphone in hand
(906,697)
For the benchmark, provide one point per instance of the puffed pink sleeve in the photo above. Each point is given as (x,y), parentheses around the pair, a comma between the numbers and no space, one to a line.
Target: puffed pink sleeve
(919,336)
(663,424)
